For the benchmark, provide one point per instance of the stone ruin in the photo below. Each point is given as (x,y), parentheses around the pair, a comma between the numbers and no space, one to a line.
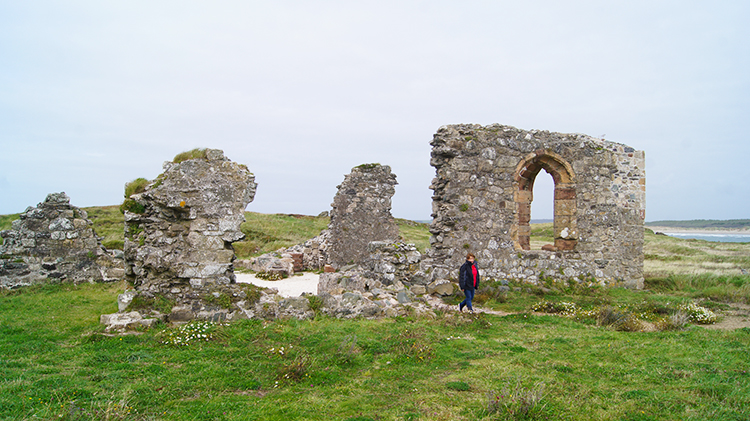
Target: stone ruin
(178,243)
(55,241)
(377,274)
(482,199)
(361,213)
(179,234)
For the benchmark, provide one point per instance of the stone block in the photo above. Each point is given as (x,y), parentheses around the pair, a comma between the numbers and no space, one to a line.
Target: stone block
(181,314)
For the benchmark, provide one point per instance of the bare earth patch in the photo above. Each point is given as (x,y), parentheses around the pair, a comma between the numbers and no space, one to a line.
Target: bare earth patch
(736,317)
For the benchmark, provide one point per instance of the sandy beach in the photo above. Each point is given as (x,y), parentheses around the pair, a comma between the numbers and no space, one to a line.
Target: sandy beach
(289,287)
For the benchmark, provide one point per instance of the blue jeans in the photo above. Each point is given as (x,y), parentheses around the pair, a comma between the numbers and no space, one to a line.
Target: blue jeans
(469,296)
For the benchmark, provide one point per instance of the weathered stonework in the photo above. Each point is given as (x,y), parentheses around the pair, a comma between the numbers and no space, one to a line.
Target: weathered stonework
(192,214)
(361,213)
(55,241)
(178,249)
(391,262)
(482,203)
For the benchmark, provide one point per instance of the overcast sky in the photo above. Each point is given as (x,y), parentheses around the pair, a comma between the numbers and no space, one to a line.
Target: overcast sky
(94,94)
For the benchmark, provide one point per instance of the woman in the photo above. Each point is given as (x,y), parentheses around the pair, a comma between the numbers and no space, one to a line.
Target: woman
(468,281)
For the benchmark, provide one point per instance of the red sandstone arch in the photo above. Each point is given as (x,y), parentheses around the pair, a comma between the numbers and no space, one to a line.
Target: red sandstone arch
(565,226)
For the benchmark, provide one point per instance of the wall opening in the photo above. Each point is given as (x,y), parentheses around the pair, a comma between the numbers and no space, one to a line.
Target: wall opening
(565,231)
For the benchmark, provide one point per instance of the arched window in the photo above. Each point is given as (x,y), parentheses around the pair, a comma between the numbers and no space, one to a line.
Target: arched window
(565,226)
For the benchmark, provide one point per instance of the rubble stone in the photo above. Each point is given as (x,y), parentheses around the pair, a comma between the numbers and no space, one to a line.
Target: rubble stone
(55,241)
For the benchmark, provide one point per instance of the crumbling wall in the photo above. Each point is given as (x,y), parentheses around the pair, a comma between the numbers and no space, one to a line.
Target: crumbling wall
(191,215)
(482,198)
(361,213)
(178,241)
(55,241)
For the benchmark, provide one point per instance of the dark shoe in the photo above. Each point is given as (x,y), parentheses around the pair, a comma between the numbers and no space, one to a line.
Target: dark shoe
(461,307)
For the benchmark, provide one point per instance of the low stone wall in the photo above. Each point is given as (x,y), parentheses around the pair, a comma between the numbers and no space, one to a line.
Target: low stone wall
(55,242)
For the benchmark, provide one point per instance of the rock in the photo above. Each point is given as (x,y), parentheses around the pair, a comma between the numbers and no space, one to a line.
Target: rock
(191,212)
(441,287)
(181,314)
(124,300)
(178,238)
(299,304)
(126,321)
(418,289)
(391,262)
(403,297)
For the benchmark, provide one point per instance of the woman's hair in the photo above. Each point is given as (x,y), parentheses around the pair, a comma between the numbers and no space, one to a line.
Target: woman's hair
(470,255)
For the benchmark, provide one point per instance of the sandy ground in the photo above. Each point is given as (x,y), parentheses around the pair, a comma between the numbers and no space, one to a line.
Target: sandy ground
(289,287)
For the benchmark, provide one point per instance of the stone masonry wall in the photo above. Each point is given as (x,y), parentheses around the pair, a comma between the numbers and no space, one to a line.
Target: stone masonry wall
(482,197)
(179,248)
(361,213)
(55,241)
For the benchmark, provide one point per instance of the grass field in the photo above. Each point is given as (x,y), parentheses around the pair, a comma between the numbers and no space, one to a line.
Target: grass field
(510,363)
(56,364)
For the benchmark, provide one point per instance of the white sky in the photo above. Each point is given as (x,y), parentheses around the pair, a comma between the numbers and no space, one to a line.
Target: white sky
(94,94)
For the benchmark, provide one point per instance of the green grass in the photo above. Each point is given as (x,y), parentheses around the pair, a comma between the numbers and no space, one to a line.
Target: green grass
(270,232)
(56,364)
(109,224)
(417,233)
(6,222)
(197,153)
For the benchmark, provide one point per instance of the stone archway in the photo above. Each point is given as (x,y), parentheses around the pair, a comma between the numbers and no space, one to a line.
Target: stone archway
(565,224)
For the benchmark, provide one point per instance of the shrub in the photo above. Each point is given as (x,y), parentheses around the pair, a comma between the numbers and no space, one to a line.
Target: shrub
(516,401)
(159,303)
(295,370)
(368,166)
(253,293)
(677,321)
(131,205)
(218,299)
(619,319)
(698,314)
(316,303)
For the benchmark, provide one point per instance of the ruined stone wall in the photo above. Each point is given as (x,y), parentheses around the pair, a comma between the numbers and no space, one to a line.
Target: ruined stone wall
(482,198)
(180,245)
(55,241)
(361,213)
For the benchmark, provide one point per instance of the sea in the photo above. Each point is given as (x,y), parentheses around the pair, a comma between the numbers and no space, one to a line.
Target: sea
(721,238)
